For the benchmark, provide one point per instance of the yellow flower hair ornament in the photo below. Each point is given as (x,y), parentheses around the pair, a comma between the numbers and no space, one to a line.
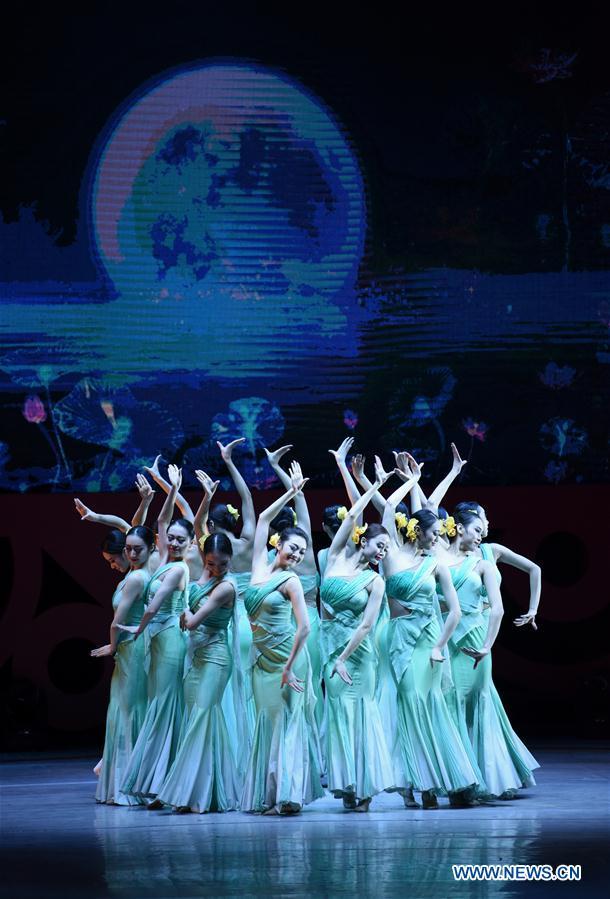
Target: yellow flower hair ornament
(274,539)
(401,520)
(341,513)
(294,517)
(232,511)
(448,527)
(411,525)
(358,532)
(202,540)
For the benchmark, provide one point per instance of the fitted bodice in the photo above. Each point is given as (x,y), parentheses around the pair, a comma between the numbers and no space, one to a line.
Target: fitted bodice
(414,588)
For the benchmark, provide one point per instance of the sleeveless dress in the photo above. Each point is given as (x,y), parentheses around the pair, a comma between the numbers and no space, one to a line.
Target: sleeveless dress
(283,765)
(204,776)
(357,756)
(237,702)
(504,761)
(127,705)
(428,751)
(165,648)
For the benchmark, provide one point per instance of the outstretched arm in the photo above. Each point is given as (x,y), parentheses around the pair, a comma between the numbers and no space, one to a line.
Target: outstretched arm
(146,497)
(340,456)
(308,565)
(347,525)
(153,470)
(389,513)
(358,472)
(496,612)
(259,553)
(438,494)
(294,591)
(201,516)
(111,521)
(503,554)
(247,506)
(452,602)
(364,628)
(165,516)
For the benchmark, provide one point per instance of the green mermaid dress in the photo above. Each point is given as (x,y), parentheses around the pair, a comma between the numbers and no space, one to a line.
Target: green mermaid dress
(357,756)
(283,766)
(504,761)
(127,705)
(204,775)
(237,701)
(165,648)
(428,752)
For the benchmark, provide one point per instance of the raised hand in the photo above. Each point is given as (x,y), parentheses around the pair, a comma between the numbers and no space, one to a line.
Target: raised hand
(358,466)
(476,654)
(85,513)
(275,456)
(186,616)
(296,477)
(436,656)
(381,475)
(153,469)
(101,651)
(174,476)
(458,462)
(207,483)
(528,618)
(289,680)
(226,450)
(414,467)
(340,454)
(144,488)
(340,669)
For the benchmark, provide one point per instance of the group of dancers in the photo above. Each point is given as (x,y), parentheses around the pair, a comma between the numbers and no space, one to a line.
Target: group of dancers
(248,677)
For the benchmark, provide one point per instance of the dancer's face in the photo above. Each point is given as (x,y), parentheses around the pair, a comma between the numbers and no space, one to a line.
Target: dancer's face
(217,564)
(178,542)
(471,534)
(484,521)
(375,549)
(137,552)
(429,538)
(291,551)
(117,562)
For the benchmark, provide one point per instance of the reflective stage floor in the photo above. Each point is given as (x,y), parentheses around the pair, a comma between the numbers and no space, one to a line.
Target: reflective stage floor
(58,842)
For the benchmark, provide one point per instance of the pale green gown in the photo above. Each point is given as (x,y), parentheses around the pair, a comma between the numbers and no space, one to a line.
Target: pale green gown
(204,775)
(357,756)
(428,751)
(165,648)
(504,761)
(283,766)
(237,701)
(127,704)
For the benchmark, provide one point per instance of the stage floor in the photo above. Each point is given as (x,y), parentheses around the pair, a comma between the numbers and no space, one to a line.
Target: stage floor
(58,842)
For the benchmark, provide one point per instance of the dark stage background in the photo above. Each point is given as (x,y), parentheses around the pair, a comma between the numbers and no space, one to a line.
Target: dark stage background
(221,222)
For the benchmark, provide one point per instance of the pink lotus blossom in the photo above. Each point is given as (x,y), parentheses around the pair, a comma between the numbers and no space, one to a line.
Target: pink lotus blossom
(350,418)
(34,410)
(474,428)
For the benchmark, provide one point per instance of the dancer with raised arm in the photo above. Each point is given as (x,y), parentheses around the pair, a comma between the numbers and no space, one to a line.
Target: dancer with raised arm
(203,777)
(192,557)
(165,647)
(128,687)
(283,772)
(503,760)
(335,514)
(358,759)
(428,750)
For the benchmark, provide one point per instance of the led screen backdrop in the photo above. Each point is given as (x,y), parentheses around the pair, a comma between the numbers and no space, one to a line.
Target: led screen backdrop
(245,258)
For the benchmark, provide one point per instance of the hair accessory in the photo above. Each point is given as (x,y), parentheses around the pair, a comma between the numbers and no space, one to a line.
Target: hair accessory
(448,527)
(202,540)
(401,520)
(274,539)
(411,524)
(233,511)
(358,532)
(294,517)
(341,513)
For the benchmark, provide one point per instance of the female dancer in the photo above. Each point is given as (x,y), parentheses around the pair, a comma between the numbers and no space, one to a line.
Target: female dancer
(503,760)
(128,693)
(203,777)
(334,515)
(357,755)
(165,649)
(283,773)
(495,552)
(310,581)
(428,751)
